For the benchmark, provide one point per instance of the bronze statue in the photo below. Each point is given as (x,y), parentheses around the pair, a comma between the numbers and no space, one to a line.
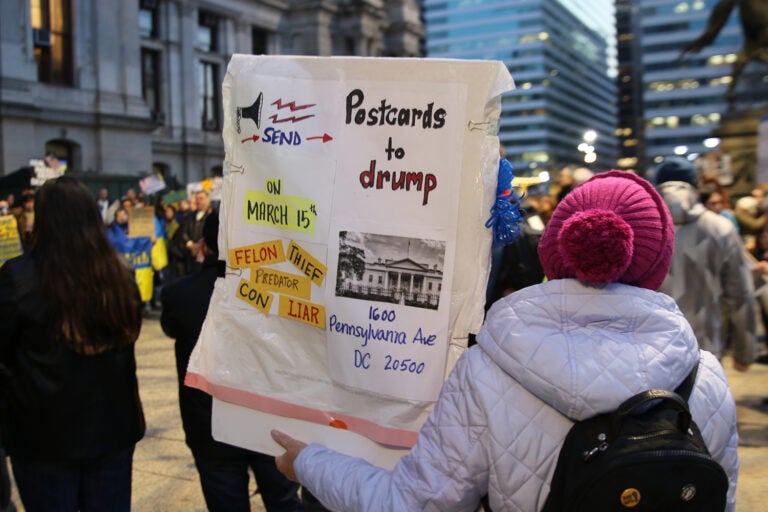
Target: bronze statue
(754,25)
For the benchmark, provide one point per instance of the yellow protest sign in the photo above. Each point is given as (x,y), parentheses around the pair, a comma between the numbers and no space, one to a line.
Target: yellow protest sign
(281,282)
(10,243)
(303,311)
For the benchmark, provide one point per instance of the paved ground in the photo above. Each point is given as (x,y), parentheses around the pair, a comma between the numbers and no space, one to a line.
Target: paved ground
(164,476)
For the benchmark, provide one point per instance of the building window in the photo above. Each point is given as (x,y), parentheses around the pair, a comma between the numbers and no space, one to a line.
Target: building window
(52,37)
(381,279)
(370,278)
(207,31)
(208,75)
(150,81)
(260,41)
(148,18)
(429,286)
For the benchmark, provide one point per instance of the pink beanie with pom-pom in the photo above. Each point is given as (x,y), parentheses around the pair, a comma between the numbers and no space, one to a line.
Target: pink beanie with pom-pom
(613,228)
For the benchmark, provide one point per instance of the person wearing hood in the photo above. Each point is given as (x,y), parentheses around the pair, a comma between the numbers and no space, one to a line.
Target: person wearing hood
(709,268)
(117,231)
(596,333)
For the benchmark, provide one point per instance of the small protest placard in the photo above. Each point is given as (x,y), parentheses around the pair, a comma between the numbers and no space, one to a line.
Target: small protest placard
(10,243)
(141,222)
(152,184)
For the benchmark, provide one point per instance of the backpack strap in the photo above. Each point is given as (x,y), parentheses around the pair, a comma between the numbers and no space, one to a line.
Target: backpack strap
(686,387)
(678,399)
(673,400)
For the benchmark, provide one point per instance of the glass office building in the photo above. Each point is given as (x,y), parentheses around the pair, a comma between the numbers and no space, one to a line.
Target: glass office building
(685,97)
(631,130)
(561,54)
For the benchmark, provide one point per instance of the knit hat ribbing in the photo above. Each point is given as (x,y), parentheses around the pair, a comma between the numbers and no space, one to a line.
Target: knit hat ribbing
(613,228)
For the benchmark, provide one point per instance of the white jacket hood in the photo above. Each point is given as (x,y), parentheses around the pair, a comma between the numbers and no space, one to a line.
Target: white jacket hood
(586,349)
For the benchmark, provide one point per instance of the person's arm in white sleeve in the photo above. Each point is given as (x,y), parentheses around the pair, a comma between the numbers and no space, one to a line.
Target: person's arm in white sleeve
(446,470)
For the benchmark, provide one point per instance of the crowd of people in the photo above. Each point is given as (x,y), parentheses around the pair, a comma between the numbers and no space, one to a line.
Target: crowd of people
(614,279)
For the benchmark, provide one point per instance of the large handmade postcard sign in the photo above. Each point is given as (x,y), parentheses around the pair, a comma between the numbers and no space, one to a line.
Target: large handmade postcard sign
(352,212)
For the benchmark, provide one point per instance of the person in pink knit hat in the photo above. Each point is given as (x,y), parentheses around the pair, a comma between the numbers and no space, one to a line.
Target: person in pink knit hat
(596,333)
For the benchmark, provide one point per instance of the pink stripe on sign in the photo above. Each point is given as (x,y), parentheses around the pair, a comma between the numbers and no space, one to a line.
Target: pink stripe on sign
(387,436)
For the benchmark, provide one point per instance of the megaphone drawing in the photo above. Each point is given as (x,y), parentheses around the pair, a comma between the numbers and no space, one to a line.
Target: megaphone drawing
(253,112)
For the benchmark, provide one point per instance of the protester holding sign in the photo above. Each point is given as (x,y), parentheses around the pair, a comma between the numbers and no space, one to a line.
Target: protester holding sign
(223,468)
(190,233)
(580,344)
(70,413)
(135,244)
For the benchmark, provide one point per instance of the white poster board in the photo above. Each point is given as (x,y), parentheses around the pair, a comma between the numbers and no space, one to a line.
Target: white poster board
(352,219)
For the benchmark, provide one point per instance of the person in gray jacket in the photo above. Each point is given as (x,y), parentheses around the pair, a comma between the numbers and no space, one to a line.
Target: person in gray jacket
(709,268)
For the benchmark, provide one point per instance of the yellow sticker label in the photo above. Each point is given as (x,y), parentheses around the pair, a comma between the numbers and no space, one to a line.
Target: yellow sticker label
(281,282)
(261,300)
(264,253)
(630,497)
(306,263)
(303,311)
(280,211)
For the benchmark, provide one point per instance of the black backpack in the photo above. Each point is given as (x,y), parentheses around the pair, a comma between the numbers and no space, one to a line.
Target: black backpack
(648,454)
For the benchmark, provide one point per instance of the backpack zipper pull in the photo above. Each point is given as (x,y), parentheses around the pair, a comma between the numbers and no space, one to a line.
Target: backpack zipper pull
(599,448)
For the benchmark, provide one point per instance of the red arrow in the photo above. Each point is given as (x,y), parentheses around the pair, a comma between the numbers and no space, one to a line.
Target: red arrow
(324,136)
(254,138)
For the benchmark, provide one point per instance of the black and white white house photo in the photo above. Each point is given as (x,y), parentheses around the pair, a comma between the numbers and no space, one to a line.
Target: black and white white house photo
(392,269)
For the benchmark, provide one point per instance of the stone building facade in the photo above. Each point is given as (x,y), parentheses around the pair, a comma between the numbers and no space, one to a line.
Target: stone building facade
(125,87)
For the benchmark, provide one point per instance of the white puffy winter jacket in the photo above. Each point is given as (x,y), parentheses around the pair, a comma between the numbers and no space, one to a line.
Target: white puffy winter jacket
(547,353)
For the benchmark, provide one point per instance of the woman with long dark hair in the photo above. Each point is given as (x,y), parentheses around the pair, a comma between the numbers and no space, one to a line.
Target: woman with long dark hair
(70,313)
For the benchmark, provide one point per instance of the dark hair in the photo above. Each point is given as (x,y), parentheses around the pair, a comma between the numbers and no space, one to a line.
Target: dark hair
(706,191)
(211,231)
(92,296)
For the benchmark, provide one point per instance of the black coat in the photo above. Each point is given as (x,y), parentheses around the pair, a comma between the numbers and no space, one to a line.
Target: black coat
(56,404)
(185,304)
(190,230)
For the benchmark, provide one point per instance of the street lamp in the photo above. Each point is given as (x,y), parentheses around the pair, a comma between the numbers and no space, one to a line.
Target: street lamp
(586,147)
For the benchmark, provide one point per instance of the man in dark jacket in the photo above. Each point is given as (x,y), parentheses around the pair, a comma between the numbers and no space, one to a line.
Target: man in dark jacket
(223,468)
(188,239)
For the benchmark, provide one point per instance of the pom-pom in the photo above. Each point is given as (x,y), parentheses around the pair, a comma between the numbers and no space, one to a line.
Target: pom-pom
(597,244)
(506,214)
